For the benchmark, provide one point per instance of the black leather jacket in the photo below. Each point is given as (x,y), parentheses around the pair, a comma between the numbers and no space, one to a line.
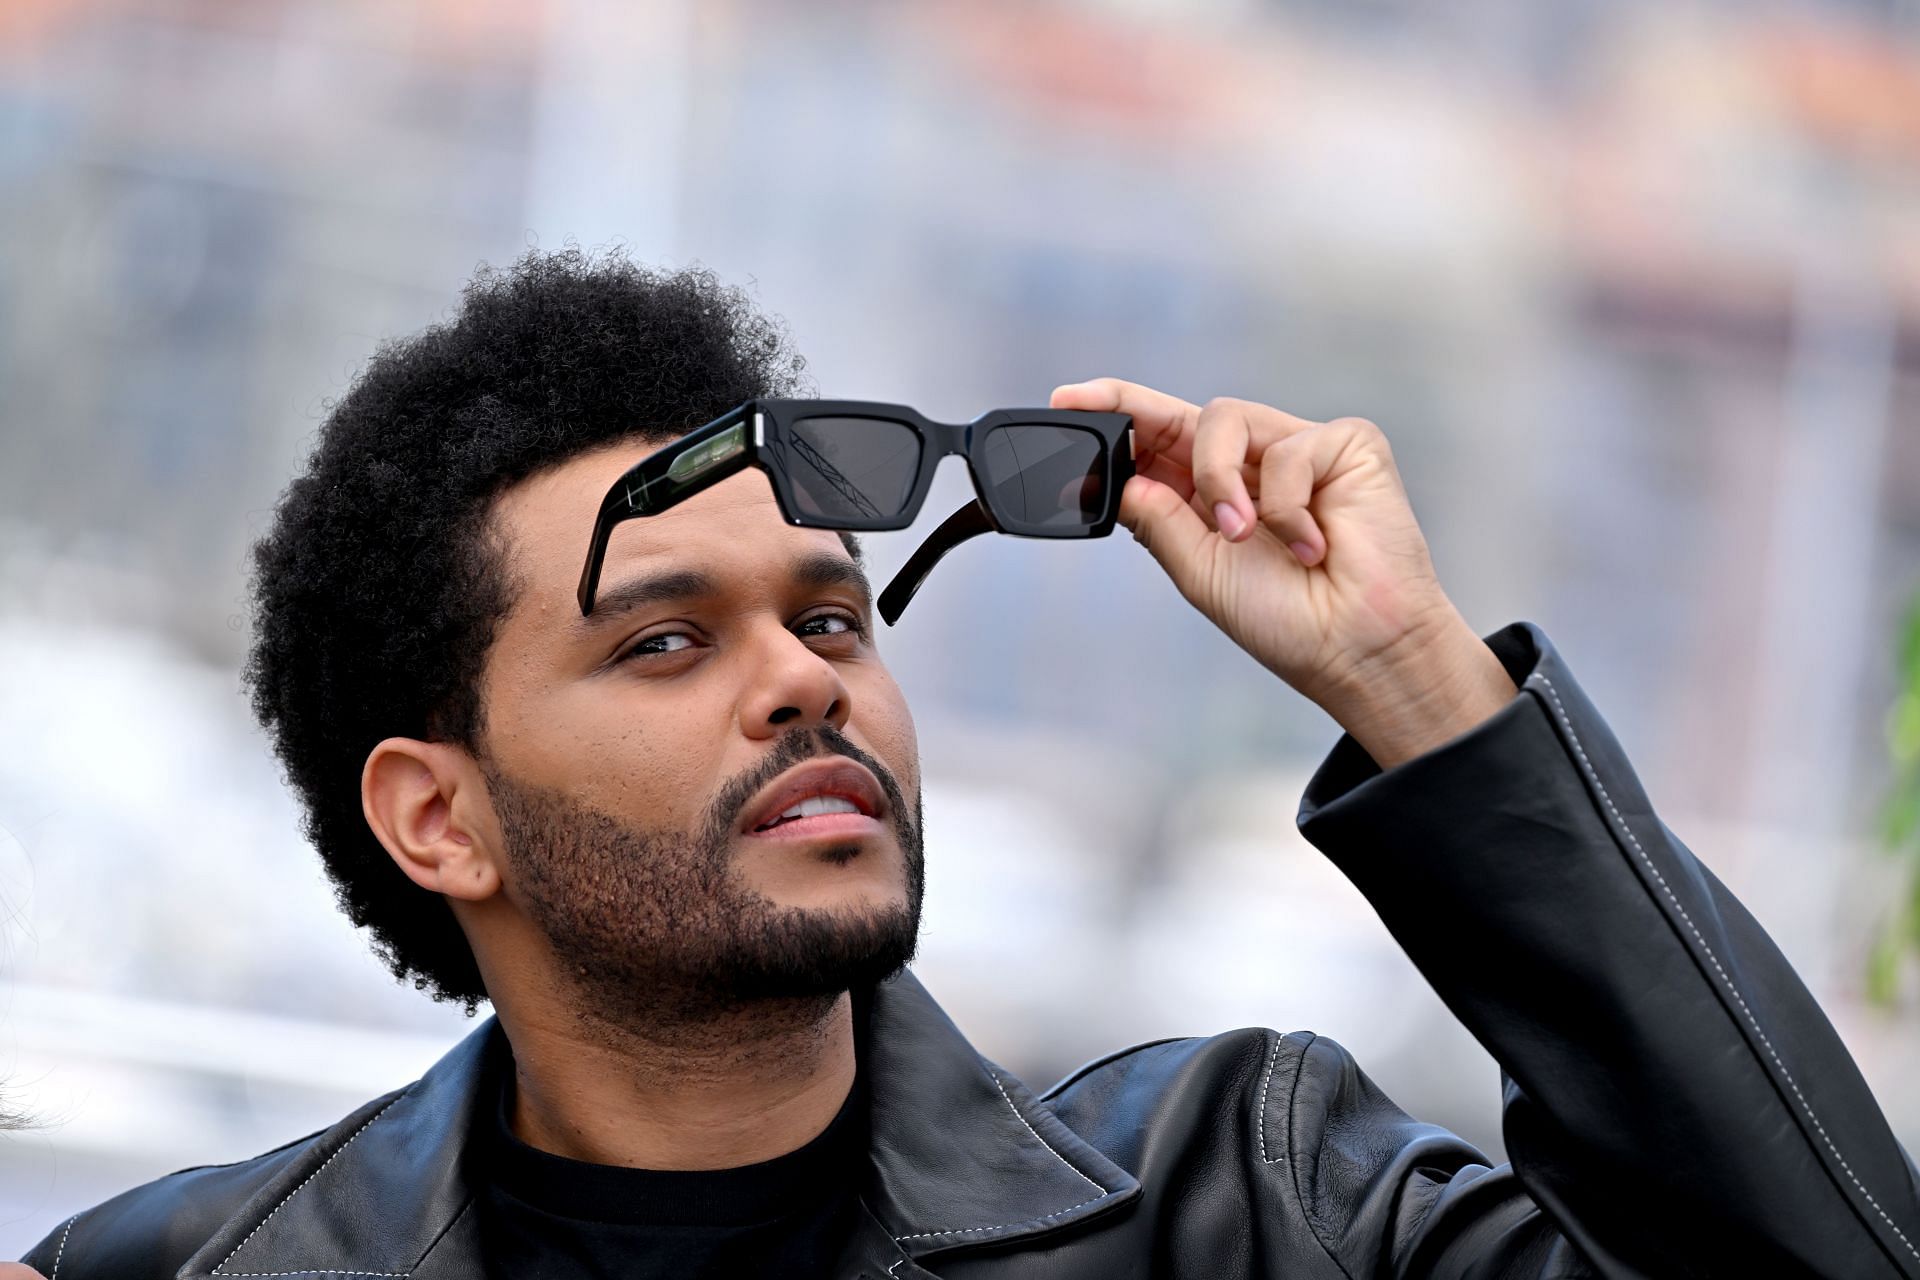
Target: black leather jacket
(1676,1104)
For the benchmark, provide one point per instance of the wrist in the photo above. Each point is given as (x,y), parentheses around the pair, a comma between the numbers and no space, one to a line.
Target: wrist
(1432,686)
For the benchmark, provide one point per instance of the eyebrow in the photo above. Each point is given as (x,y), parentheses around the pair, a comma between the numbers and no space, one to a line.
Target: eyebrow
(818,569)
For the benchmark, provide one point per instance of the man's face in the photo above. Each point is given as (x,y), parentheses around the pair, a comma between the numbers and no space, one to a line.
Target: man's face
(635,757)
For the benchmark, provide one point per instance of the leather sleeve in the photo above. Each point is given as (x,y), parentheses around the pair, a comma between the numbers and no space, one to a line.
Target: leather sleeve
(1676,1103)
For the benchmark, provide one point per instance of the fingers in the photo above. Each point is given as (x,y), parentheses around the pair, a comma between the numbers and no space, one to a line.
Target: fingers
(1162,424)
(1220,445)
(1289,472)
(1198,468)
(1163,522)
(1164,427)
(1166,471)
(1228,435)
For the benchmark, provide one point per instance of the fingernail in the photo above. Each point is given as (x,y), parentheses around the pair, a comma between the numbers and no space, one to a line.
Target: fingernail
(1228,519)
(1304,552)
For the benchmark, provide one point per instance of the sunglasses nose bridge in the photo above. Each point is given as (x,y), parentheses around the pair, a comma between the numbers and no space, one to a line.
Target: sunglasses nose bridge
(940,442)
(943,460)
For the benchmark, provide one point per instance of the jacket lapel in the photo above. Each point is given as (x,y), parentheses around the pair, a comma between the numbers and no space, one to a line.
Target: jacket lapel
(962,1154)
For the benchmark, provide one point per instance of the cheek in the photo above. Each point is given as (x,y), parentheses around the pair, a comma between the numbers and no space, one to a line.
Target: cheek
(888,726)
(660,774)
(655,769)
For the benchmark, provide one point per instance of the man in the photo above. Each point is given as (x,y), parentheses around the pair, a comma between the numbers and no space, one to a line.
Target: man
(705,1060)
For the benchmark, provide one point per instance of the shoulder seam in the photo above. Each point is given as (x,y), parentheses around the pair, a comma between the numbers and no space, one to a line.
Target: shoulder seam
(241,1164)
(297,1190)
(66,1231)
(1266,1079)
(61,1252)
(1107,1059)
(1293,1166)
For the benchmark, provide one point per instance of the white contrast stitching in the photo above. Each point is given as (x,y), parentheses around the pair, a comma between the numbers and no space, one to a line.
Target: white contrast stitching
(1266,1078)
(1753,1022)
(1030,1129)
(289,1197)
(974,1231)
(61,1252)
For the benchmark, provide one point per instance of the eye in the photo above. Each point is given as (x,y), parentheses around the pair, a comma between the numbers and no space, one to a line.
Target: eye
(657,645)
(840,624)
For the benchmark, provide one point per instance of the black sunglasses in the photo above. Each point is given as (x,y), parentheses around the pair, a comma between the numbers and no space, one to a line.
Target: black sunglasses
(857,465)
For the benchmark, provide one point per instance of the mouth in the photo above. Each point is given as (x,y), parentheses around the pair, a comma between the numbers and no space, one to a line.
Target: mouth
(823,798)
(837,826)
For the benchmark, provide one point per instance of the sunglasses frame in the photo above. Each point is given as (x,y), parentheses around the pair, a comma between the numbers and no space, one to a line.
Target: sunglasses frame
(758,433)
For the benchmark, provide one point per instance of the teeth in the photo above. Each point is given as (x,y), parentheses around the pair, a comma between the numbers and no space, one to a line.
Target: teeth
(815,805)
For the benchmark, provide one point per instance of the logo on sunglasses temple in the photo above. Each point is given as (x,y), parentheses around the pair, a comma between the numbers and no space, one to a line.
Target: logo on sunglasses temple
(700,459)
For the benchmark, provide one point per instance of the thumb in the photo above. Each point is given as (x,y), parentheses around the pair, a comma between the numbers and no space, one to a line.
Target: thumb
(1168,527)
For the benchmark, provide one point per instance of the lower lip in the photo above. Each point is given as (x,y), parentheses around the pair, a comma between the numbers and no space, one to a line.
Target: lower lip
(821,826)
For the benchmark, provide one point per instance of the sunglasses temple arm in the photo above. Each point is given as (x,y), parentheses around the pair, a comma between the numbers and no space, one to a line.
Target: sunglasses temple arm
(596,557)
(969,521)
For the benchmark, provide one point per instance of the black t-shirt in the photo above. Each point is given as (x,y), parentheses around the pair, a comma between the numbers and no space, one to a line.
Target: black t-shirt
(545,1217)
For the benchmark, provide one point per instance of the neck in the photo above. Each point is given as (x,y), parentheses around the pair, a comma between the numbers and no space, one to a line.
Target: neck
(741,1086)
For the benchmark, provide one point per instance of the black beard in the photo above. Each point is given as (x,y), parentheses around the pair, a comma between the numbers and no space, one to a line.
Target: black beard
(655,927)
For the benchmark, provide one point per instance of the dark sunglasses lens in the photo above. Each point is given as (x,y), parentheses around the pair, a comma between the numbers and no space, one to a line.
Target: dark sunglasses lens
(1050,476)
(852,468)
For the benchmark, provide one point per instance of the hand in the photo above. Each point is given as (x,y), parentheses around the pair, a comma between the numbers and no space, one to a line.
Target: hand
(18,1271)
(1296,538)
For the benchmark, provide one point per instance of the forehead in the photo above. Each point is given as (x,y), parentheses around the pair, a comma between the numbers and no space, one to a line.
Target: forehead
(733,527)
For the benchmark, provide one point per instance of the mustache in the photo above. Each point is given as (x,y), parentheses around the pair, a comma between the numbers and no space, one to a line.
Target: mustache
(794,747)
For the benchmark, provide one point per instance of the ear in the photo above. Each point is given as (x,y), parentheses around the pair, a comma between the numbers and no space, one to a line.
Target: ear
(427,804)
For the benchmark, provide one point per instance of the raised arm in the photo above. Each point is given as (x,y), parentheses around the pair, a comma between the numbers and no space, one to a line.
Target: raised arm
(1677,1104)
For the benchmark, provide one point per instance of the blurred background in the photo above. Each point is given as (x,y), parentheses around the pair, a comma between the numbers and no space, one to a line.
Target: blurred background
(1633,286)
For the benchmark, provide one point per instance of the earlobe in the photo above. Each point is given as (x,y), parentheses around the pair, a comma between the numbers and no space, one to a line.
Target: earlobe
(419,798)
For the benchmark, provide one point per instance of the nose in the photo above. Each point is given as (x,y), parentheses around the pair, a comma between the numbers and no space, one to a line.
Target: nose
(792,685)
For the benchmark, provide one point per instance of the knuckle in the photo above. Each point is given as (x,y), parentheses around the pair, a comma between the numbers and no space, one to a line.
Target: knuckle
(1362,427)
(1286,461)
(1210,470)
(1275,501)
(1220,405)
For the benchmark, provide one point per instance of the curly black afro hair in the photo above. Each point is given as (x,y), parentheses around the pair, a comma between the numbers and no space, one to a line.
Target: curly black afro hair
(377,590)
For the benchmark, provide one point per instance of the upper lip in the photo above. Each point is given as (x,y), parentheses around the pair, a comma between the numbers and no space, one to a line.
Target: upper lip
(848,779)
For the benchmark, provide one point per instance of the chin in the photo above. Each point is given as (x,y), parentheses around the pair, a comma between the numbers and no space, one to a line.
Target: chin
(866,896)
(836,876)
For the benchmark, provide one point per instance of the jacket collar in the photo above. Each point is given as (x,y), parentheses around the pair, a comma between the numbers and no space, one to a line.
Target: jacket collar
(962,1155)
